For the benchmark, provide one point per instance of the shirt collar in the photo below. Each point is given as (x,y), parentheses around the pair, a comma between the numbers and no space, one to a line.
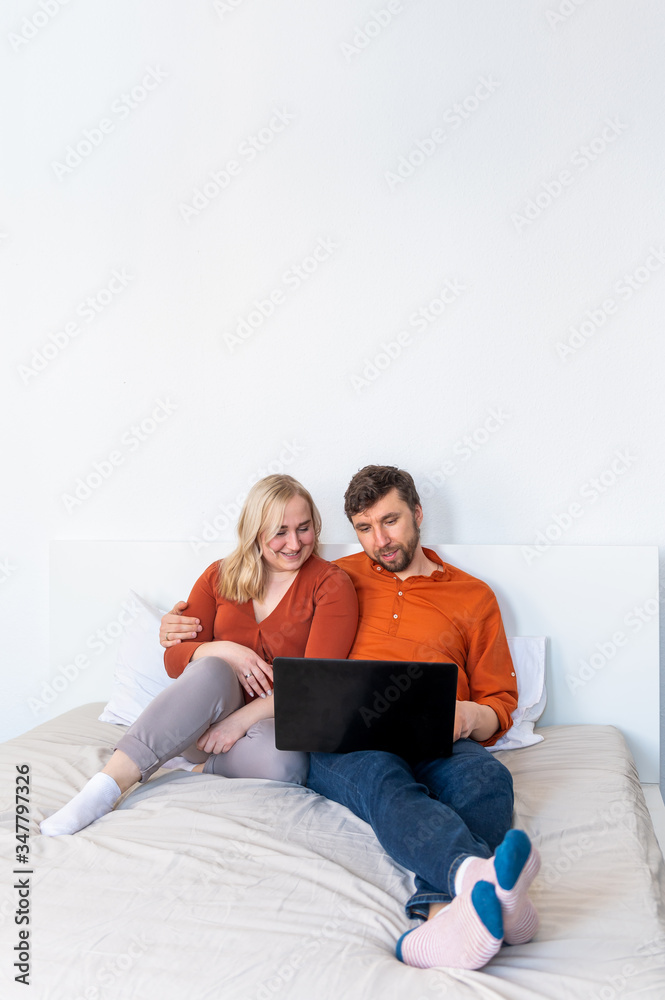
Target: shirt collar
(431,554)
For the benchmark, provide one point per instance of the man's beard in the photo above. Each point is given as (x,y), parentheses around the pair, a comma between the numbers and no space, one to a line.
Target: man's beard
(404,553)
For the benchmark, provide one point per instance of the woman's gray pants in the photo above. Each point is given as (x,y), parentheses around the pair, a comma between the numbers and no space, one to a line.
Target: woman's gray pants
(207,691)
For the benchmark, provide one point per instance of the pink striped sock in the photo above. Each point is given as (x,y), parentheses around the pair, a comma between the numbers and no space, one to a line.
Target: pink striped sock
(464,935)
(511,870)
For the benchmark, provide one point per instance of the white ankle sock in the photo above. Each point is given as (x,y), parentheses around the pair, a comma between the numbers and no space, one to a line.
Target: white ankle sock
(95,799)
(179,763)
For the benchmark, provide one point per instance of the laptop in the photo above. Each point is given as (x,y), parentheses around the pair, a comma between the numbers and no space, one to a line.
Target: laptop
(338,706)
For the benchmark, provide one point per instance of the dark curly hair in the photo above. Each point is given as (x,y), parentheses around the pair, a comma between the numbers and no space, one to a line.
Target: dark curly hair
(373,483)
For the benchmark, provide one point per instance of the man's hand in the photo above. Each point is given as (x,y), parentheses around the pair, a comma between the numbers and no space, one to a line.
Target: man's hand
(221,737)
(474,722)
(175,627)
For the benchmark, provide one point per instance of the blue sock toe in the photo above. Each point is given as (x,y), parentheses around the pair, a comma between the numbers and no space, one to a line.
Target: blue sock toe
(488,907)
(510,858)
(398,946)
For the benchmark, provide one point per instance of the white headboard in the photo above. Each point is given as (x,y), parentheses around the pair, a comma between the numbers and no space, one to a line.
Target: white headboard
(598,606)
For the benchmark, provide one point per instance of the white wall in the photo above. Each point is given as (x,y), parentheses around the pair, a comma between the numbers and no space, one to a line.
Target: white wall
(560,119)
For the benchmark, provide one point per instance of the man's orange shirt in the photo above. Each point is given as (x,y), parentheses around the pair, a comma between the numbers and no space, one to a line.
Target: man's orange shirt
(449,616)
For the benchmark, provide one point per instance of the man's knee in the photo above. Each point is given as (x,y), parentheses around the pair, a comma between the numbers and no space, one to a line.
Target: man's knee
(491,777)
(485,767)
(498,785)
(498,774)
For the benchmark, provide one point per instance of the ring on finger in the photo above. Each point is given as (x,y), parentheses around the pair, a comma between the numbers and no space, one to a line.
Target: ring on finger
(248,675)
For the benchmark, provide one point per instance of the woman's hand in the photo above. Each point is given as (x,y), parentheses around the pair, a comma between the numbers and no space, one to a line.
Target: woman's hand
(221,737)
(253,673)
(175,626)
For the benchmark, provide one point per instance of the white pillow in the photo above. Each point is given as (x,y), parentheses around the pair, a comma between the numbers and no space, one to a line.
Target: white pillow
(528,655)
(139,670)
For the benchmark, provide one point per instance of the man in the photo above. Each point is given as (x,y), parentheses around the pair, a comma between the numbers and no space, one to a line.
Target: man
(447,819)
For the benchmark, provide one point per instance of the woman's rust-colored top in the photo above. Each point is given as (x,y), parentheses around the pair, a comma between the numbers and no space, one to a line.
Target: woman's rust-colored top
(317,617)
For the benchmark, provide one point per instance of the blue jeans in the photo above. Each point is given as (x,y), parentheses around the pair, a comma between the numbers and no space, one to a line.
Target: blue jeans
(429,816)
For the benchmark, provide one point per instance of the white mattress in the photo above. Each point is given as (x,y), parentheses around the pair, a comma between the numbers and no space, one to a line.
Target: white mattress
(198,886)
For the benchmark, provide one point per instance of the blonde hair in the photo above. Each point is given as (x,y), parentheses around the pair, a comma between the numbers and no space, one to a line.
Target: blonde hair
(243,575)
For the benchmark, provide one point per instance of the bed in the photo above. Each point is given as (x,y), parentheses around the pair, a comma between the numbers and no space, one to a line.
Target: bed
(195,886)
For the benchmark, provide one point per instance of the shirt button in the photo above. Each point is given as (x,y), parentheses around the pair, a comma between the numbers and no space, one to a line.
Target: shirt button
(395,616)
(399,593)
(512,674)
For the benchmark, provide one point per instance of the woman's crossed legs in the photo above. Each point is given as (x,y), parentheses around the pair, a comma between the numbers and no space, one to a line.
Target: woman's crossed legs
(206,692)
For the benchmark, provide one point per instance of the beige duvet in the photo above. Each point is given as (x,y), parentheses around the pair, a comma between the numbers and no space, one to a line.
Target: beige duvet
(213,889)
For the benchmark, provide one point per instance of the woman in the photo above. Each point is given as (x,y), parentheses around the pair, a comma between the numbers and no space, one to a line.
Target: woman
(272,596)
